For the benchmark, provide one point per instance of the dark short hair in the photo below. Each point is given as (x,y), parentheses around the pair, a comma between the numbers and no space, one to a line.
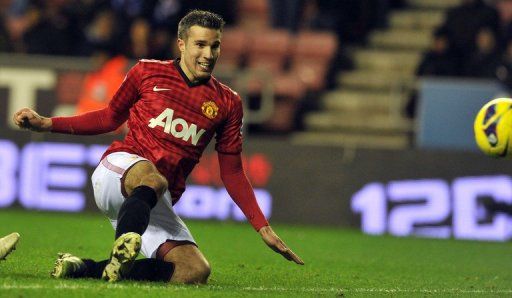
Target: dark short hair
(201,18)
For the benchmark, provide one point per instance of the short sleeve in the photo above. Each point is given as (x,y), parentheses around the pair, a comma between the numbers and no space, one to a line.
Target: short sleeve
(229,135)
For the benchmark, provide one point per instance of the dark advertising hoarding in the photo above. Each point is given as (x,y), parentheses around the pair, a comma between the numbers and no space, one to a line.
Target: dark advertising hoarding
(427,193)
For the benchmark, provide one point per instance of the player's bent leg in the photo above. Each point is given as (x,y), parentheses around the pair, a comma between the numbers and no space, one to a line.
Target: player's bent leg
(144,173)
(125,251)
(190,265)
(144,185)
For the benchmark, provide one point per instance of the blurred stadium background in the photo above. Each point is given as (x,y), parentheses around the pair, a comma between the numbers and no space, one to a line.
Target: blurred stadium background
(359,112)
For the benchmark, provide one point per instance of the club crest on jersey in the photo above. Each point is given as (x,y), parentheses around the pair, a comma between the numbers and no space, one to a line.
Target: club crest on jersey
(210,109)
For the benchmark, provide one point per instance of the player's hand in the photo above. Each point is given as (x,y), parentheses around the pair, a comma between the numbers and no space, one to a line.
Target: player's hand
(277,245)
(29,119)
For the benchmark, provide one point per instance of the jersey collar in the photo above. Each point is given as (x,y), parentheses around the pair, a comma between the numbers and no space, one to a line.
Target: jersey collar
(185,78)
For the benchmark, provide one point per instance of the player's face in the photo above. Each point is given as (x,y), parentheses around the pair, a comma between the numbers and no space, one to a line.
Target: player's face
(199,52)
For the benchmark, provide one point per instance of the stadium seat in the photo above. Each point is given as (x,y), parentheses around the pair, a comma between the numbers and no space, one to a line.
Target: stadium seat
(311,74)
(289,86)
(254,7)
(268,53)
(315,45)
(282,120)
(312,55)
(269,50)
(234,45)
(254,14)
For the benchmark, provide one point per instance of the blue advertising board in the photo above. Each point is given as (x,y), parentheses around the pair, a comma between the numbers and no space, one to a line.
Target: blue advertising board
(447,109)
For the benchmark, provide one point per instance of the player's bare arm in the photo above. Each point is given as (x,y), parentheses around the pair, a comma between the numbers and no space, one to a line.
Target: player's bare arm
(276,244)
(28,119)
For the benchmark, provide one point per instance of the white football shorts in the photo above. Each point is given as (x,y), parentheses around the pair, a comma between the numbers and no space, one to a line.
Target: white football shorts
(164,224)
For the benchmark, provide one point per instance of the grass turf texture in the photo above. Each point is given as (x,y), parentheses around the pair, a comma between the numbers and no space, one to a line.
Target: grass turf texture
(338,262)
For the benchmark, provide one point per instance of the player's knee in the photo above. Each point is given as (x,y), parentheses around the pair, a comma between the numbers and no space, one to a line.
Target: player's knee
(196,272)
(144,173)
(203,272)
(199,273)
(155,181)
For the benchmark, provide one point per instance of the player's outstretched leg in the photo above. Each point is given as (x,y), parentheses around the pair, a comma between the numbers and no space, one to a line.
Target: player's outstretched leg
(68,266)
(126,249)
(135,211)
(145,185)
(8,244)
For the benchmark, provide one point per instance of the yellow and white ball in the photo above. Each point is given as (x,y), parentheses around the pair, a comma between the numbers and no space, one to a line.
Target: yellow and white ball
(493,128)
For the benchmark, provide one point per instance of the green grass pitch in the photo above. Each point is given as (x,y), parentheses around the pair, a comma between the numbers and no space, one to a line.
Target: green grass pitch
(338,262)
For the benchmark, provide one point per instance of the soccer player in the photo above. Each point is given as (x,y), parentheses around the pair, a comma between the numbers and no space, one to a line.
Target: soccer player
(8,244)
(174,108)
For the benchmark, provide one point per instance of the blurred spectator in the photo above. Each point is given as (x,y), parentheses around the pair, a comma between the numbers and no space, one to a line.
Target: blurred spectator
(504,8)
(464,21)
(286,14)
(438,61)
(19,17)
(54,30)
(376,13)
(163,21)
(163,45)
(485,60)
(127,11)
(334,16)
(397,4)
(78,27)
(100,34)
(138,44)
(352,20)
(5,40)
(166,14)
(147,43)
(100,85)
(504,70)
(226,8)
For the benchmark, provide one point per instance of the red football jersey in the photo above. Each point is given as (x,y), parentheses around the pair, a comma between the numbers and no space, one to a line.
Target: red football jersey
(172,120)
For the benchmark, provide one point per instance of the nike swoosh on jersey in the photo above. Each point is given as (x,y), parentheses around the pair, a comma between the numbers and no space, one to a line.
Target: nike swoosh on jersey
(156,89)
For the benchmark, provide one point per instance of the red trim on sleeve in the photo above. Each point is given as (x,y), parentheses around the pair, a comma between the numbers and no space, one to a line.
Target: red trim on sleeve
(240,189)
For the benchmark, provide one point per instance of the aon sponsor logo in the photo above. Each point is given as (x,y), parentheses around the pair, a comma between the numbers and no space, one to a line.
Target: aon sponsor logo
(179,128)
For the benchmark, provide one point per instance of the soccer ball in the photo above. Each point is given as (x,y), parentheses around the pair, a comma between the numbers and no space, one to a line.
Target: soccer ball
(493,128)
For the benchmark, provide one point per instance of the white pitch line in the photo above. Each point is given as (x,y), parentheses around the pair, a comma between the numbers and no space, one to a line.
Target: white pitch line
(380,290)
(260,289)
(429,291)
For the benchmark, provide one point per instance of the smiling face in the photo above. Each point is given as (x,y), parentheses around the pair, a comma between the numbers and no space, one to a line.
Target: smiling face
(200,49)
